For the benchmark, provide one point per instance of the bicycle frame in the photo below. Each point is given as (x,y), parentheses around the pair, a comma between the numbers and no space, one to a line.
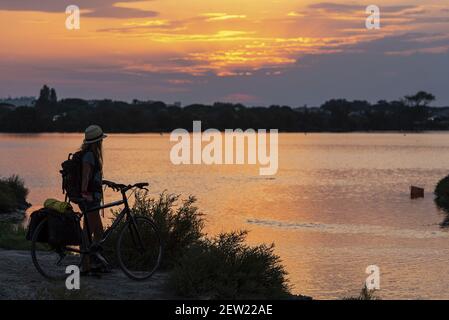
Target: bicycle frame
(125,212)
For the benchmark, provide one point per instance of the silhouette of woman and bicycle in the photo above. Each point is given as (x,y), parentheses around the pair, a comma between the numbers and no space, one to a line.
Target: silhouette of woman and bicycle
(138,248)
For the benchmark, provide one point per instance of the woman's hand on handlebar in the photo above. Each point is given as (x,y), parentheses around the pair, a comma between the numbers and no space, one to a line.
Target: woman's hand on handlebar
(140,185)
(114,186)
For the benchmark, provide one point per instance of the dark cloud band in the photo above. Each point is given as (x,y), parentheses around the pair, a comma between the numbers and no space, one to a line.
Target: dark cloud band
(97,8)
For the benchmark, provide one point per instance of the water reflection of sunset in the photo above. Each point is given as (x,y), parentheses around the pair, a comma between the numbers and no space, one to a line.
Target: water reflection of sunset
(339,202)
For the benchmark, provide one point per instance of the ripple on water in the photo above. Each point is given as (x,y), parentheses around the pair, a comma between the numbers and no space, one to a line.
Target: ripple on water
(373,230)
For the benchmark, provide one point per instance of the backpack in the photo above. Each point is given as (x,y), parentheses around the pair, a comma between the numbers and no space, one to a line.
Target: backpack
(71,172)
(71,176)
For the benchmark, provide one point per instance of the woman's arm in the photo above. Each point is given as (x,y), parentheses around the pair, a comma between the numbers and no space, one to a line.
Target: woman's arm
(86,176)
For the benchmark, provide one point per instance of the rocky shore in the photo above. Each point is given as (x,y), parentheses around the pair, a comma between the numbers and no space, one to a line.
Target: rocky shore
(20,280)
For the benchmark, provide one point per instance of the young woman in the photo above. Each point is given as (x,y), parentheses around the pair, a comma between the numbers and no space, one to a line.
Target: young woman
(92,176)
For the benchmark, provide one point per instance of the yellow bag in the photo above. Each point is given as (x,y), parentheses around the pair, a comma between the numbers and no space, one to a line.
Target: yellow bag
(56,205)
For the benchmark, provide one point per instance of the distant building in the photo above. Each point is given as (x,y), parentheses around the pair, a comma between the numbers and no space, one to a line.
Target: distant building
(356,114)
(439,114)
(19,101)
(59,116)
(92,103)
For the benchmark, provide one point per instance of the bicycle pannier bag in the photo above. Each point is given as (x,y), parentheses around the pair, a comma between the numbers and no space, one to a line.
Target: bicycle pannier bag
(35,219)
(63,229)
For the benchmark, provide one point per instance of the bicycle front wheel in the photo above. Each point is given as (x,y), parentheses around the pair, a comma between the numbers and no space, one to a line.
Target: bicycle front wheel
(139,248)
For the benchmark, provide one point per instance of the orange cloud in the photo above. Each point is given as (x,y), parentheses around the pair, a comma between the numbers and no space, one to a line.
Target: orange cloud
(222,16)
(232,39)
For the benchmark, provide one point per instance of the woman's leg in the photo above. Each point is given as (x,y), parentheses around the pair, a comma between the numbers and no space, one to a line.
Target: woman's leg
(95,228)
(96,225)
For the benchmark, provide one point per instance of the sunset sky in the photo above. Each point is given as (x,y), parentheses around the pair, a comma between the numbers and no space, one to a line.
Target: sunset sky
(258,52)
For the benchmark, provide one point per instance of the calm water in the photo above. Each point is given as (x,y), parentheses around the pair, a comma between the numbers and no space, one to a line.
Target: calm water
(339,202)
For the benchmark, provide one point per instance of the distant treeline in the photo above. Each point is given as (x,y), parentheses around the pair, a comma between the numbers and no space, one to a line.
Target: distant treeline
(73,115)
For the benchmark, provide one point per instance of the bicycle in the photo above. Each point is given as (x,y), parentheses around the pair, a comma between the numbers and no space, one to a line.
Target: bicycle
(138,248)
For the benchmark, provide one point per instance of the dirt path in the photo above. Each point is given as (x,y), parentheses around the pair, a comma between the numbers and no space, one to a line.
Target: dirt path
(20,280)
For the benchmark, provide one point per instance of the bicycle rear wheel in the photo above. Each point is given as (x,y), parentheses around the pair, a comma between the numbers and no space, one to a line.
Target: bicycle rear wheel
(51,261)
(139,248)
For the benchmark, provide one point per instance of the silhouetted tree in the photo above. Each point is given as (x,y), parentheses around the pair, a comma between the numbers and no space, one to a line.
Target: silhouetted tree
(53,98)
(44,96)
(420,99)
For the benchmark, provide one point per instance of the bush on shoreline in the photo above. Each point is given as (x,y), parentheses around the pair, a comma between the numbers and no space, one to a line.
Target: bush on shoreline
(442,194)
(224,267)
(12,194)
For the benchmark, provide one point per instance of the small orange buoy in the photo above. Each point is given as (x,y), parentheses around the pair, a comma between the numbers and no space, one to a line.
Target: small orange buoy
(416,192)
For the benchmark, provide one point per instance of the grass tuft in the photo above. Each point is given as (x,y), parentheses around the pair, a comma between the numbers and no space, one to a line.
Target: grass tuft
(365,294)
(12,237)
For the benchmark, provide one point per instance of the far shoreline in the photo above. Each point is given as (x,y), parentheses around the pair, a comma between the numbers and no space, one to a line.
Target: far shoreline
(221,131)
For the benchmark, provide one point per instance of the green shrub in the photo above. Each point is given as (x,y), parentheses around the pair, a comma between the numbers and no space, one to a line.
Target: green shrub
(225,267)
(442,194)
(179,223)
(12,193)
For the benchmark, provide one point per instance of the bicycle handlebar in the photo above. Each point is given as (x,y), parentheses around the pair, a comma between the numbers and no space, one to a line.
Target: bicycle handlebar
(124,188)
(141,185)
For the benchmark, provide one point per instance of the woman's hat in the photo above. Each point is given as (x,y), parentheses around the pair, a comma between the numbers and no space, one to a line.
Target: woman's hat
(93,134)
